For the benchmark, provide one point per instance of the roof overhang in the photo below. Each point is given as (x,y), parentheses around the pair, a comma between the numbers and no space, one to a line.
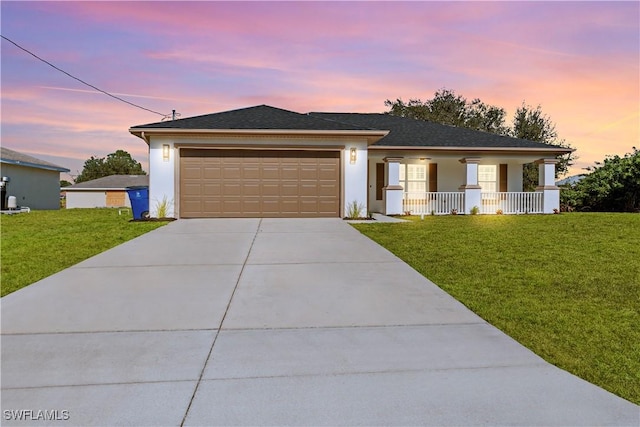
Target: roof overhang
(372,136)
(93,189)
(502,150)
(34,165)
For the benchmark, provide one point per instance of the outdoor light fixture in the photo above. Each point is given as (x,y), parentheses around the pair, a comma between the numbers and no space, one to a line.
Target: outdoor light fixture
(352,155)
(165,152)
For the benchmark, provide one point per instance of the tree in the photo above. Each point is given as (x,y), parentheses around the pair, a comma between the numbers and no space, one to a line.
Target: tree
(450,109)
(64,183)
(613,185)
(118,163)
(533,125)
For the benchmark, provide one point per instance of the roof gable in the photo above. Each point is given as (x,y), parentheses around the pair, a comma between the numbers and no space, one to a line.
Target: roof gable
(15,158)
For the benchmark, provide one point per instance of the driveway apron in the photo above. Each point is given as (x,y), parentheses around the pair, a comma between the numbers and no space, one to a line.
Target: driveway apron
(270,322)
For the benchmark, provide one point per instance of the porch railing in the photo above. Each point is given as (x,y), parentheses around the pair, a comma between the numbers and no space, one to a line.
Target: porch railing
(511,203)
(441,203)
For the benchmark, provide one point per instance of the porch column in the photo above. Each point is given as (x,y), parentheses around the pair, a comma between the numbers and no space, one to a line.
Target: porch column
(392,192)
(472,191)
(547,185)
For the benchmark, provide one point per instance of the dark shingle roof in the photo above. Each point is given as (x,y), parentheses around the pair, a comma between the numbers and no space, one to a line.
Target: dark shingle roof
(407,132)
(111,182)
(403,132)
(15,158)
(260,117)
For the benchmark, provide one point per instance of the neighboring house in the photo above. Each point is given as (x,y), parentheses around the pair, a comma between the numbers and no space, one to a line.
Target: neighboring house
(106,192)
(35,183)
(268,162)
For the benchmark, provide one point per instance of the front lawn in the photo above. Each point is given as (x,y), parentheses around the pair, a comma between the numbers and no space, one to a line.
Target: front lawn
(40,243)
(566,286)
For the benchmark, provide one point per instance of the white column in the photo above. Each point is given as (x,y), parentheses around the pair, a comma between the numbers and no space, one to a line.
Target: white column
(547,185)
(392,192)
(472,191)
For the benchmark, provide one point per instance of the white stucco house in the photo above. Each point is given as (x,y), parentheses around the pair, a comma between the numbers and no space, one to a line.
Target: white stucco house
(33,182)
(268,162)
(106,192)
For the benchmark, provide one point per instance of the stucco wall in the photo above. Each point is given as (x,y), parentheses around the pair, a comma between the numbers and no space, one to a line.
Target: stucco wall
(355,177)
(90,199)
(86,199)
(162,176)
(32,187)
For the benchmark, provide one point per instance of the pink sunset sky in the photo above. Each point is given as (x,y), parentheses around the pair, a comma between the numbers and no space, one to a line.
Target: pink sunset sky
(578,60)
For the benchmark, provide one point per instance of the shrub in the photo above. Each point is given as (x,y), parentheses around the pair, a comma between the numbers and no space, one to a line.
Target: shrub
(353,210)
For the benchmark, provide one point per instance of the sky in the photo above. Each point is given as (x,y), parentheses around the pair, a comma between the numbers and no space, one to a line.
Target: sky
(579,61)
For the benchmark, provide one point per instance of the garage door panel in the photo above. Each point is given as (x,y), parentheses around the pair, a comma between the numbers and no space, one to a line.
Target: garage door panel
(251,189)
(270,190)
(211,189)
(189,189)
(192,172)
(327,190)
(231,172)
(307,173)
(252,172)
(270,172)
(290,190)
(256,183)
(211,172)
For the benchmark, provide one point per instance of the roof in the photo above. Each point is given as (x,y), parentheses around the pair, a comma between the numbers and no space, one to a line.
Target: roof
(111,182)
(382,130)
(261,117)
(15,158)
(408,132)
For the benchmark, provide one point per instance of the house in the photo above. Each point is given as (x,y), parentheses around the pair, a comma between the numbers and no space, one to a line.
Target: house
(269,162)
(106,192)
(33,182)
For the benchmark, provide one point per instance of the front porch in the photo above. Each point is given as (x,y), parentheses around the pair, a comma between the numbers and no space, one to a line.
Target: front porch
(469,185)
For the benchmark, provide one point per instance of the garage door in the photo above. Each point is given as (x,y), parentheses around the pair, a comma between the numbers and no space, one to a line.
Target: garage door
(259,183)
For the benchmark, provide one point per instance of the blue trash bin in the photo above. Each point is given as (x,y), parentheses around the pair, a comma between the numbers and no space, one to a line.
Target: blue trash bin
(139,197)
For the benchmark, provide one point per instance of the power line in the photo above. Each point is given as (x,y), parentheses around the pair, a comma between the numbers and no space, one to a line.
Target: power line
(80,80)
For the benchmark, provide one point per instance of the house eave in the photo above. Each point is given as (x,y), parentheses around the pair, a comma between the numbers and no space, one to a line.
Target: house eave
(35,165)
(372,136)
(93,189)
(502,150)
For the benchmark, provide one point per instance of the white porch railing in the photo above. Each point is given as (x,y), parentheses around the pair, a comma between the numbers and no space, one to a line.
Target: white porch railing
(512,203)
(441,203)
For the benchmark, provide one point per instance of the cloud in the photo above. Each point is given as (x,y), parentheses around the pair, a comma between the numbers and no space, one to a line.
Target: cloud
(94,92)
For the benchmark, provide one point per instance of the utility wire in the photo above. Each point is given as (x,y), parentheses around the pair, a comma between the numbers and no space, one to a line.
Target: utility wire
(80,80)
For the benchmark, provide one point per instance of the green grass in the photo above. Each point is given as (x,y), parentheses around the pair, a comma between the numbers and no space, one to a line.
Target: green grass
(38,244)
(565,286)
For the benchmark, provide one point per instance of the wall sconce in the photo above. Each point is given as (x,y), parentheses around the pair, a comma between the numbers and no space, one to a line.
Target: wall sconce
(352,155)
(165,152)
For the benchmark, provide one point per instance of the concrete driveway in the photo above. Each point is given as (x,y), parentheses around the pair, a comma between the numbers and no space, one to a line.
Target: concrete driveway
(270,322)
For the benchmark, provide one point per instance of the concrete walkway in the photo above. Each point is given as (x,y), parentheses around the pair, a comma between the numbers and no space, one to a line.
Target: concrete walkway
(270,322)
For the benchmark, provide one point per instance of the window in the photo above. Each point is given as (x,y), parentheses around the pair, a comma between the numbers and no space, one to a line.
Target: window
(488,178)
(413,178)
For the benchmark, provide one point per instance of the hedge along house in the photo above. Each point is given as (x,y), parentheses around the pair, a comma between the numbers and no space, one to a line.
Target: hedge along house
(268,162)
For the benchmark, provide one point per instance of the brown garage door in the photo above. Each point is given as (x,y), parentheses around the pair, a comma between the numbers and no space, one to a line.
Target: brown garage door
(259,183)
